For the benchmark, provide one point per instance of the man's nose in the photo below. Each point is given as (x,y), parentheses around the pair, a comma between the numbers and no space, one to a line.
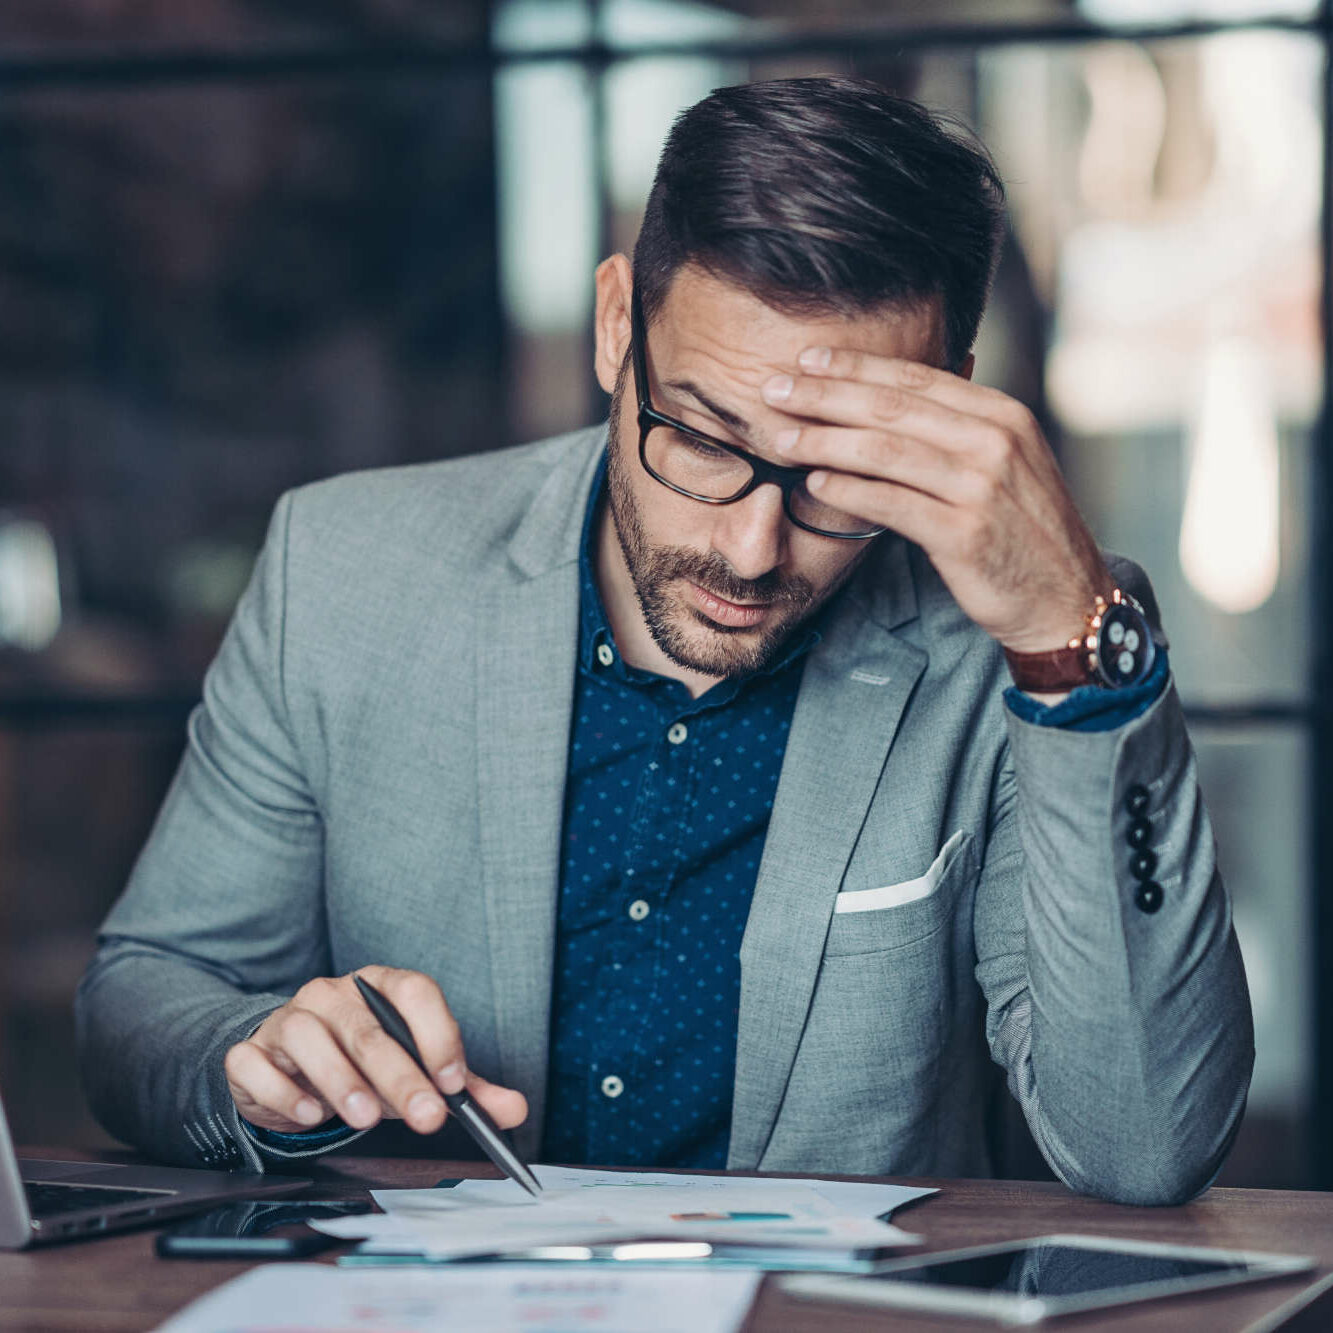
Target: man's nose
(751,535)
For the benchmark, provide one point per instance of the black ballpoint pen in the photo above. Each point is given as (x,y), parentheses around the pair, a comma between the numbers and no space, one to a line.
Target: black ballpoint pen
(470,1115)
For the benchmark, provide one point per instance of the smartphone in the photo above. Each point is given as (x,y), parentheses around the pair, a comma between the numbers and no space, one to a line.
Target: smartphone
(258,1229)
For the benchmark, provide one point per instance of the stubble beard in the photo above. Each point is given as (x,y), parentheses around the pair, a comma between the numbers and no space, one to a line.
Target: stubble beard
(679,629)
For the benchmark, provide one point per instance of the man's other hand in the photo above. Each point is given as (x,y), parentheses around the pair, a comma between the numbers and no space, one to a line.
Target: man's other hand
(323,1054)
(962,470)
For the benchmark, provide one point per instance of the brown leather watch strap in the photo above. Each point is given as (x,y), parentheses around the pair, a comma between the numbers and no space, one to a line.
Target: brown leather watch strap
(1064,668)
(1046,673)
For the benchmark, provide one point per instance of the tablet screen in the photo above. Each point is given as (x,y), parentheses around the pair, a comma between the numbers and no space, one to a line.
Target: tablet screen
(1051,1270)
(1022,1282)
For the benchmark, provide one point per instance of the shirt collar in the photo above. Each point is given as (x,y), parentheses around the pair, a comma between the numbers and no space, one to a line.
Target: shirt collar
(595,630)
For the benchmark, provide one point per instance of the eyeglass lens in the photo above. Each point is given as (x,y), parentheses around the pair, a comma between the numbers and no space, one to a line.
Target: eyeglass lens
(706,472)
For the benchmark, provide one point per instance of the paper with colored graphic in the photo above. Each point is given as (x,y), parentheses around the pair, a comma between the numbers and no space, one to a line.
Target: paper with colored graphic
(585,1207)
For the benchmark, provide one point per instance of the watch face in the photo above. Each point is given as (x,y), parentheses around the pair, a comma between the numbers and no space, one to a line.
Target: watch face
(1125,650)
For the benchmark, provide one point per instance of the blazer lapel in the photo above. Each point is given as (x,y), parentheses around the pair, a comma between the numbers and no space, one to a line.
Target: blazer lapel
(853,694)
(526,657)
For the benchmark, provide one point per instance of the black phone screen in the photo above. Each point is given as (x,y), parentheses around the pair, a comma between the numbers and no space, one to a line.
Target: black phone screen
(272,1228)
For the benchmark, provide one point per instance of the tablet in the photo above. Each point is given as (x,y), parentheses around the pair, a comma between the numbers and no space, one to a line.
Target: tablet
(1026,1281)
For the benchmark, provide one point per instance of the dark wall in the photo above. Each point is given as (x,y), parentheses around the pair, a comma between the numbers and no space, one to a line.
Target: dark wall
(61,25)
(212,291)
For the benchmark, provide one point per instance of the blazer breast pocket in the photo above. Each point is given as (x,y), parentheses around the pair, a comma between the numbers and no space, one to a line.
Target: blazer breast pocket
(888,917)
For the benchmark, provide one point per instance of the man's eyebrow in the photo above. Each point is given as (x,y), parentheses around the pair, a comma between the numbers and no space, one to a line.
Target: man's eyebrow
(728,418)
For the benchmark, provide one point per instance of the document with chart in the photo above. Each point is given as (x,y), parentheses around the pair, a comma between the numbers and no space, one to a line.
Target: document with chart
(581,1207)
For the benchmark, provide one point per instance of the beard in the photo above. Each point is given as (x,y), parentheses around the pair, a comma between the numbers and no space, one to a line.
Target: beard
(688,637)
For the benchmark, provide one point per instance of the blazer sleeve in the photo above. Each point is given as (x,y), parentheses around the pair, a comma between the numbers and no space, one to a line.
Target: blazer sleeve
(1126,1033)
(223,917)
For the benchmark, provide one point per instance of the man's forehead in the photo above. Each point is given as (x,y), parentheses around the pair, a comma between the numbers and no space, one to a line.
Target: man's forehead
(704,313)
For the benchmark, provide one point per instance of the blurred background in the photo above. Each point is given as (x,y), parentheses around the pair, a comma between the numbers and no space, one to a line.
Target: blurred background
(249,243)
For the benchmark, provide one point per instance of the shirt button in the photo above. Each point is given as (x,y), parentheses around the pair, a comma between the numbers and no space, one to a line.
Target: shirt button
(638,909)
(605,654)
(612,1086)
(1138,834)
(677,732)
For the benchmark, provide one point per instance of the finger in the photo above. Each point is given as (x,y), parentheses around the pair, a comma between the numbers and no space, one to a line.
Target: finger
(266,1096)
(307,1042)
(288,1066)
(915,376)
(507,1106)
(880,455)
(391,1072)
(921,518)
(882,406)
(434,1028)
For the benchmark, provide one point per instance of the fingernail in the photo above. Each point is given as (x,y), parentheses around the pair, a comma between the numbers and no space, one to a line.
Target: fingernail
(816,358)
(785,440)
(778,389)
(308,1112)
(358,1109)
(423,1107)
(815,481)
(452,1077)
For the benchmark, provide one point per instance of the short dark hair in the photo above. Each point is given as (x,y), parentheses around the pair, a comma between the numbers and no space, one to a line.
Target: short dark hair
(825,195)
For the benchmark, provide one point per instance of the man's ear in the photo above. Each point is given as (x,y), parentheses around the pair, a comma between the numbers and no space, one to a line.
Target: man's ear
(969,365)
(611,323)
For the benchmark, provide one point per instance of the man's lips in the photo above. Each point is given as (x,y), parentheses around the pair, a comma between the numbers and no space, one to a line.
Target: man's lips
(734,615)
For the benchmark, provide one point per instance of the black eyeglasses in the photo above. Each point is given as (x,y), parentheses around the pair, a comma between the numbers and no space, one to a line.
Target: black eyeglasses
(717,473)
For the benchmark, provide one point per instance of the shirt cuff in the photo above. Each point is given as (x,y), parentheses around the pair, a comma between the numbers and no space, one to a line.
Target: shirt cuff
(1091,708)
(327,1135)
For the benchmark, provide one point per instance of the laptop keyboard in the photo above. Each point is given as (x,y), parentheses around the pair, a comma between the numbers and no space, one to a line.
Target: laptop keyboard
(46,1198)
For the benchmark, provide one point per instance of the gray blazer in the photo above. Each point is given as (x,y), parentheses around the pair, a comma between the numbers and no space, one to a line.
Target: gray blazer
(376,776)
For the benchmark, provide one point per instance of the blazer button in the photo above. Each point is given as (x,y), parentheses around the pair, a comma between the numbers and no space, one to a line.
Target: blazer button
(1136,800)
(1143,865)
(1148,896)
(1139,833)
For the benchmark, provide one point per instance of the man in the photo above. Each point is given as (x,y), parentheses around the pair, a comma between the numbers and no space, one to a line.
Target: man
(665,776)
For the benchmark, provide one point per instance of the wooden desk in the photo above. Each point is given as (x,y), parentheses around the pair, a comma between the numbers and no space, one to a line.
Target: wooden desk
(119,1283)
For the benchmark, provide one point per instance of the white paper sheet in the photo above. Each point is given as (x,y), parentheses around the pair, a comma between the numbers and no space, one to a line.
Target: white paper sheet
(851,1196)
(466,1237)
(582,1206)
(509,1298)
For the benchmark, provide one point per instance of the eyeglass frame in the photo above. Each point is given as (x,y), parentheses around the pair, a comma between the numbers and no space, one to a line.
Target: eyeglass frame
(762,472)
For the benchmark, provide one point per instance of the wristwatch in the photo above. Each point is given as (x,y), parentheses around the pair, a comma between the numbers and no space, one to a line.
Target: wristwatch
(1115,650)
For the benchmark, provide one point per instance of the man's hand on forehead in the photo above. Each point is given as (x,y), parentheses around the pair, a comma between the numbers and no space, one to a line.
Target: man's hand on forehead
(962,470)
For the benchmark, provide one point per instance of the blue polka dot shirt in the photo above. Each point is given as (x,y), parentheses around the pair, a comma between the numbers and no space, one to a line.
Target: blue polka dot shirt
(667,804)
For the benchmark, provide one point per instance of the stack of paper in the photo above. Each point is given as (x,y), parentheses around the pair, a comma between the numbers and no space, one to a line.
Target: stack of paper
(769,1221)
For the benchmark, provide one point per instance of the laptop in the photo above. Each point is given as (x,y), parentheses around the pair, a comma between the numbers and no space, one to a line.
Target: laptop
(43,1201)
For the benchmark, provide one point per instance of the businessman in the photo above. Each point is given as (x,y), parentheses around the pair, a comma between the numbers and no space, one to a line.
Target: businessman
(749,781)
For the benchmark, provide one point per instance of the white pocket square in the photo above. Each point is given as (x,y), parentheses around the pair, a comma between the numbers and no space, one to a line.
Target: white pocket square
(894,895)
